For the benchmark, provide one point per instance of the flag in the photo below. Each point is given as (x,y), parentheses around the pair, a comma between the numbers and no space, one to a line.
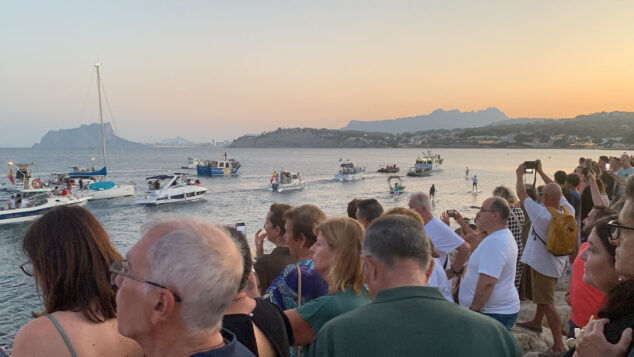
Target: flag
(10,176)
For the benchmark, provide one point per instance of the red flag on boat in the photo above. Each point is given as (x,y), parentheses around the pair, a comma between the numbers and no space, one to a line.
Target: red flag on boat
(10,176)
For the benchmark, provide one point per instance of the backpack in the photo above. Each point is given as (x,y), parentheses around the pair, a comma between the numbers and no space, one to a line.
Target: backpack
(562,232)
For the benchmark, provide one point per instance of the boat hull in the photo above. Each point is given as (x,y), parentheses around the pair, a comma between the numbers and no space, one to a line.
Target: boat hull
(202,170)
(349,177)
(31,213)
(286,187)
(114,192)
(165,197)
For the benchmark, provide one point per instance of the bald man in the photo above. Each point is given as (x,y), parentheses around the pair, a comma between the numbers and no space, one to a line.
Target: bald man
(546,267)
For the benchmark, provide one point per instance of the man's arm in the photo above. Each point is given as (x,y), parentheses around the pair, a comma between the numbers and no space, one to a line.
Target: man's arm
(462,256)
(520,188)
(483,292)
(541,172)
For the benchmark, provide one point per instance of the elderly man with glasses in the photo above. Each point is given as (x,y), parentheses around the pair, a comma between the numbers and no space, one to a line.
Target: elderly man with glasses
(547,268)
(488,286)
(592,340)
(174,287)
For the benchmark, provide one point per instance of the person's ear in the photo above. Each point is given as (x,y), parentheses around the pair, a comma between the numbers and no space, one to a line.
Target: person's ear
(164,305)
(303,241)
(432,262)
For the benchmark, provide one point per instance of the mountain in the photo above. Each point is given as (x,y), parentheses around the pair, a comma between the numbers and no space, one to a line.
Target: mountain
(86,136)
(316,138)
(177,141)
(438,119)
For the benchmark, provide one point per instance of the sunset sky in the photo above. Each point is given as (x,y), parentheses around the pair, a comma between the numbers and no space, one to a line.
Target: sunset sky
(211,69)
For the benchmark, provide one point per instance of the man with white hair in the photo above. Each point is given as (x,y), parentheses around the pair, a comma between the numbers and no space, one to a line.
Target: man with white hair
(407,317)
(174,287)
(445,240)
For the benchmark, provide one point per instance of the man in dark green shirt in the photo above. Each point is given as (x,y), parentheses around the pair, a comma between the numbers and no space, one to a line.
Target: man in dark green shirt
(407,318)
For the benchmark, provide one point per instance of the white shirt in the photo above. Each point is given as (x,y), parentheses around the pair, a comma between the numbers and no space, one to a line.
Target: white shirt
(535,253)
(438,279)
(12,203)
(445,240)
(495,256)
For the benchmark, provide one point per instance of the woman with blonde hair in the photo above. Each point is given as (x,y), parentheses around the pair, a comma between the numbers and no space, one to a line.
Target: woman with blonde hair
(337,258)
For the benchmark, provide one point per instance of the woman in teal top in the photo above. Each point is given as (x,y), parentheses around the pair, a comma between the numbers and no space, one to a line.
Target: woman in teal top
(337,258)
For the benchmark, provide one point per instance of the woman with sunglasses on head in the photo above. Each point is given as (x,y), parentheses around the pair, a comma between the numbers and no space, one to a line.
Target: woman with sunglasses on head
(69,257)
(600,272)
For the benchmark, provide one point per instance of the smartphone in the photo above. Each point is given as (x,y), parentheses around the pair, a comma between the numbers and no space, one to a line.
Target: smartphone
(607,167)
(530,166)
(451,213)
(241,227)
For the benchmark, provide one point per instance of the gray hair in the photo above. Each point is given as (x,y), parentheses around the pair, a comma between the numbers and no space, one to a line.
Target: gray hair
(506,193)
(420,199)
(201,263)
(396,237)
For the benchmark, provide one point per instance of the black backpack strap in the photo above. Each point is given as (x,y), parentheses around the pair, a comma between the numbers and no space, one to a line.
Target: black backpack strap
(537,235)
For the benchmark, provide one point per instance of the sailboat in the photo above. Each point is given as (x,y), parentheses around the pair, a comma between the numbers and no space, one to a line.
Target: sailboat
(103,189)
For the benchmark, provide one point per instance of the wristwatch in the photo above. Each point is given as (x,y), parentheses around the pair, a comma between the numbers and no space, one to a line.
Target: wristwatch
(459,272)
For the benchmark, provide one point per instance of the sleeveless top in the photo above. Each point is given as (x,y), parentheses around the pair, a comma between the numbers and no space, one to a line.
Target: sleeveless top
(63,334)
(269,319)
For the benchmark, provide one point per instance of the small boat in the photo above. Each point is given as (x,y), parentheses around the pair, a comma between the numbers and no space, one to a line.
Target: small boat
(426,164)
(218,168)
(22,178)
(349,172)
(397,188)
(388,169)
(286,181)
(171,188)
(35,203)
(192,163)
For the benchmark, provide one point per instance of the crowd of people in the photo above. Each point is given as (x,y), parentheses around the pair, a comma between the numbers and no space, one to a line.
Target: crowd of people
(396,282)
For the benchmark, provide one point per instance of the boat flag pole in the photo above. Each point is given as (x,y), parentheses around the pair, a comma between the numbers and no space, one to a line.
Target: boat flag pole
(103,138)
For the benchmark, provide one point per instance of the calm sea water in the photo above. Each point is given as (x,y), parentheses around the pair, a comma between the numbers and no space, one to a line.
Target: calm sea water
(246,199)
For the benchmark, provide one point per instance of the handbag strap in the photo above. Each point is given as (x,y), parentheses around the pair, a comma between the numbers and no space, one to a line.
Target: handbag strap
(299,285)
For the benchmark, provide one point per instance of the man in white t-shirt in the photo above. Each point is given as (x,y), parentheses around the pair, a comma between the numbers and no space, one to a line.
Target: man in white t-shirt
(444,239)
(488,286)
(546,267)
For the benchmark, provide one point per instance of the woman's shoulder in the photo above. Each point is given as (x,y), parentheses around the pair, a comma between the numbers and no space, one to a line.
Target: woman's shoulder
(49,340)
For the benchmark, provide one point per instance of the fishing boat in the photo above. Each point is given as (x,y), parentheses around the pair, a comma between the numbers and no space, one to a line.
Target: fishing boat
(22,178)
(35,203)
(425,165)
(396,185)
(226,167)
(104,188)
(171,188)
(349,172)
(285,181)
(192,163)
(387,169)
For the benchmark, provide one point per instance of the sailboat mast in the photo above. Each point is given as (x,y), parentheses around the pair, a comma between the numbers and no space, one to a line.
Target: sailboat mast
(103,137)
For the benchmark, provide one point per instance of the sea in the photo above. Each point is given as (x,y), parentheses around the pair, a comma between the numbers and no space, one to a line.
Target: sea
(246,199)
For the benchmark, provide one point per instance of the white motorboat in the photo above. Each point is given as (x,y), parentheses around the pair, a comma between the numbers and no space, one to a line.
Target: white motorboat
(35,203)
(286,181)
(172,188)
(192,163)
(22,179)
(349,172)
(103,189)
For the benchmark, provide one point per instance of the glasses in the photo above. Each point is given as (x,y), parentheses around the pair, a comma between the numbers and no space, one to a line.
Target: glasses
(615,229)
(120,267)
(27,268)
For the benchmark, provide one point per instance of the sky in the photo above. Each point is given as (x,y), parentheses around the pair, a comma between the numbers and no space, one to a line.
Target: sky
(208,70)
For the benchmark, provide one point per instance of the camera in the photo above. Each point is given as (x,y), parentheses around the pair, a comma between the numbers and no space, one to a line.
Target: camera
(530,166)
(451,213)
(241,227)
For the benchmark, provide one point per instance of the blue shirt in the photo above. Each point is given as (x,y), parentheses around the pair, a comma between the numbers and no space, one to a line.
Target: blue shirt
(232,348)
